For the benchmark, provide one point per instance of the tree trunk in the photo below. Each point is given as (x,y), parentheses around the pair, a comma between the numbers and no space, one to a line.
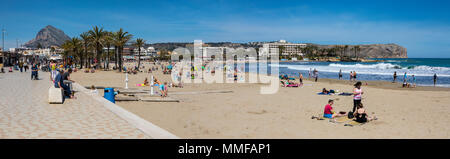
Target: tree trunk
(139,58)
(109,58)
(81,61)
(116,52)
(120,58)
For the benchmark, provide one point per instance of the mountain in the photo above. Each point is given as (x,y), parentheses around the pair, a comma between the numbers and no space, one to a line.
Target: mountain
(375,51)
(47,37)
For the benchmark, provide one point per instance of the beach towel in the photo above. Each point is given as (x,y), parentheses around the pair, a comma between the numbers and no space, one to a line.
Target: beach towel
(353,123)
(321,93)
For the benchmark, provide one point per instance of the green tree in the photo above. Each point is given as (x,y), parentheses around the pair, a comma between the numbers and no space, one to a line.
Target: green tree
(108,41)
(281,49)
(139,43)
(97,35)
(120,39)
(86,39)
(75,44)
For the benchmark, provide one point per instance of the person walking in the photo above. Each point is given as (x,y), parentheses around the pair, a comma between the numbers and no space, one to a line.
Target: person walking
(395,77)
(21,66)
(435,79)
(34,72)
(309,74)
(351,75)
(316,75)
(404,78)
(25,66)
(300,78)
(340,74)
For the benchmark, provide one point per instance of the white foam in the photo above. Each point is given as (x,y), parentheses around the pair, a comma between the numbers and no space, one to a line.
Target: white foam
(375,66)
(373,69)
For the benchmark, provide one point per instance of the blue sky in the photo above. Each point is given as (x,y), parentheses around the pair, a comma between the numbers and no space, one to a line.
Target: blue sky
(423,27)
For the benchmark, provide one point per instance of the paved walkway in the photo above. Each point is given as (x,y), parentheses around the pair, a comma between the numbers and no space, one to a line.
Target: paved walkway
(25,113)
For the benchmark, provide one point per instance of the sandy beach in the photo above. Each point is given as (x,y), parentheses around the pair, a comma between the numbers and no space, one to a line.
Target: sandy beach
(420,112)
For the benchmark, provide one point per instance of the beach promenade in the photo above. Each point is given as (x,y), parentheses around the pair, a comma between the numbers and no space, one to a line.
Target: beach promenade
(25,113)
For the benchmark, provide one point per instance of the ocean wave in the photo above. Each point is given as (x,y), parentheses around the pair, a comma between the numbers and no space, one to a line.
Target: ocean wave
(374,66)
(429,68)
(374,69)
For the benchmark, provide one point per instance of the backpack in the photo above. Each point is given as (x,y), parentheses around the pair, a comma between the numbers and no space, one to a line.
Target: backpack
(350,115)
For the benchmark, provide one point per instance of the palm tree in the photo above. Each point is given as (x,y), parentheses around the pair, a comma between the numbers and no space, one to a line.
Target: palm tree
(86,40)
(120,39)
(97,35)
(139,43)
(67,48)
(298,48)
(108,41)
(281,49)
(75,44)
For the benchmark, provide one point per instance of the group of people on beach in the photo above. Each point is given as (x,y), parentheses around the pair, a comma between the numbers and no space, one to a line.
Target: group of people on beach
(352,75)
(314,74)
(412,83)
(358,112)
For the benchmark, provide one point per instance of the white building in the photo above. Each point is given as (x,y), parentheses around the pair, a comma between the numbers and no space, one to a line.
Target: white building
(150,51)
(289,48)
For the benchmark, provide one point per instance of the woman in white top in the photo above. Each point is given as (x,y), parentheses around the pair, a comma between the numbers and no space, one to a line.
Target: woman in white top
(357,92)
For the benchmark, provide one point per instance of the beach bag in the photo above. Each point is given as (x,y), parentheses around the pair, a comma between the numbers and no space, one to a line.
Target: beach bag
(350,115)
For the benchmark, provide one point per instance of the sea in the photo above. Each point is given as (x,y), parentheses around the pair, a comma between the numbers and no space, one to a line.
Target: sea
(422,68)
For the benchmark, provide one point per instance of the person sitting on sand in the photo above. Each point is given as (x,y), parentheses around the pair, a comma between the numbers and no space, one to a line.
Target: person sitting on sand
(329,112)
(361,115)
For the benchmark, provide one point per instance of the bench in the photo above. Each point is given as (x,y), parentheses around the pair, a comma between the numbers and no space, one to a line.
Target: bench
(55,95)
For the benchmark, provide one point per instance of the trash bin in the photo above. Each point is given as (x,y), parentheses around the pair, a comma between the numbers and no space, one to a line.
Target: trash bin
(109,94)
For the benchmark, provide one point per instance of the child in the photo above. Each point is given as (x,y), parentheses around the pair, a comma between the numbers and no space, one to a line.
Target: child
(165,89)
(94,90)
